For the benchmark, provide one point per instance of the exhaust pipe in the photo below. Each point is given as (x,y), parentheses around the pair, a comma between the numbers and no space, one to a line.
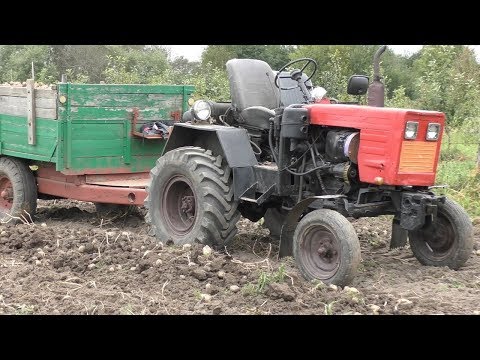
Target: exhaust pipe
(376,90)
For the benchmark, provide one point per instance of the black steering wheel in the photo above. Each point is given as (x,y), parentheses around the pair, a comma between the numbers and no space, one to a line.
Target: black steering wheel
(308,62)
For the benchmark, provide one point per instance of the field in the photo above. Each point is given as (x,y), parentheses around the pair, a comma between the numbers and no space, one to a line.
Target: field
(71,261)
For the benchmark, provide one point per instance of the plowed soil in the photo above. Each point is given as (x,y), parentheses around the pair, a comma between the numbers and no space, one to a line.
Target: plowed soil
(72,261)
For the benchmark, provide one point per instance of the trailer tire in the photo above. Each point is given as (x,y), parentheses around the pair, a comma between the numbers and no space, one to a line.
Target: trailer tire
(448,242)
(190,198)
(326,247)
(18,191)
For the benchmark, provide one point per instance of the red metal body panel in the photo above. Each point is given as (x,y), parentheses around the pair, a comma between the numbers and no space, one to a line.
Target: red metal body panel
(381,139)
(128,189)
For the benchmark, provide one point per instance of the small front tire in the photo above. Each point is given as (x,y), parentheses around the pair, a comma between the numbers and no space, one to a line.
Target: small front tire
(446,242)
(326,247)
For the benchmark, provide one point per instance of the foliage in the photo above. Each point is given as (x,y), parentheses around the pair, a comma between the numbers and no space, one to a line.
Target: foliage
(440,77)
(457,169)
(275,55)
(448,81)
(400,99)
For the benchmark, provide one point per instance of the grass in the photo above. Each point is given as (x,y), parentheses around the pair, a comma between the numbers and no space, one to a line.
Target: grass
(328,310)
(457,169)
(265,278)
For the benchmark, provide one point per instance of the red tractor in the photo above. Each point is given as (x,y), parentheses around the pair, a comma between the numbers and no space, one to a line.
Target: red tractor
(309,166)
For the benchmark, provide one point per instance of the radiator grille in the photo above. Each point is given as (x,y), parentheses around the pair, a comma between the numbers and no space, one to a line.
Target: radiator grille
(417,157)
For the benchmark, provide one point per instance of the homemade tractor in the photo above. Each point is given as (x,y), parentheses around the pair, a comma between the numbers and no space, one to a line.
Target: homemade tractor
(306,167)
(280,150)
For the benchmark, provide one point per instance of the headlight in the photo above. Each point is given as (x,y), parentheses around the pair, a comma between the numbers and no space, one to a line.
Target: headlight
(433,131)
(411,130)
(202,110)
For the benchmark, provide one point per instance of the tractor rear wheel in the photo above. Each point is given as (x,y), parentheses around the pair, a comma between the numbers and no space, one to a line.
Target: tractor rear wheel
(446,242)
(18,190)
(190,198)
(326,247)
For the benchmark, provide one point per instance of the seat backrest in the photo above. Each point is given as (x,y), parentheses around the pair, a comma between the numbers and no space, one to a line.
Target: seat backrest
(252,84)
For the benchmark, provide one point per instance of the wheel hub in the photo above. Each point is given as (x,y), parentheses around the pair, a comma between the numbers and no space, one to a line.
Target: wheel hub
(327,252)
(6,193)
(439,238)
(320,250)
(178,205)
(188,206)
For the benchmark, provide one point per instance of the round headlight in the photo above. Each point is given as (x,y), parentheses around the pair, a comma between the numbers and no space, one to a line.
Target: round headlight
(202,110)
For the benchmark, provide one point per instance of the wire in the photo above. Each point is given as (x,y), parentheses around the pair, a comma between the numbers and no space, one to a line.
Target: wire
(270,143)
(300,158)
(319,176)
(304,173)
(258,147)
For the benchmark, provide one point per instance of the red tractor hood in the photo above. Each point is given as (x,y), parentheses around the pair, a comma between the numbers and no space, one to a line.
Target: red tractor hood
(384,154)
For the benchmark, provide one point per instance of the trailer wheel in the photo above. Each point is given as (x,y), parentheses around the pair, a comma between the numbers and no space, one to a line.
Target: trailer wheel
(190,198)
(18,190)
(446,242)
(326,247)
(273,221)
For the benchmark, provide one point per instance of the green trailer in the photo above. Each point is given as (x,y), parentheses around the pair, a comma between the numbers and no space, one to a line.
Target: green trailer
(81,141)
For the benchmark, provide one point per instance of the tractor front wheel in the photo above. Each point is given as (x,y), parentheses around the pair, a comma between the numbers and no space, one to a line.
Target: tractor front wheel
(190,198)
(18,191)
(446,242)
(326,247)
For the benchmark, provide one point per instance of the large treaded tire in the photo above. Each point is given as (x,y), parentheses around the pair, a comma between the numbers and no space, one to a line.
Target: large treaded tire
(331,231)
(24,189)
(448,242)
(209,179)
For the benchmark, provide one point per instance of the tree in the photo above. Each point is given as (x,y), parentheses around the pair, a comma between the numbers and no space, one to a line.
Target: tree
(275,55)
(129,65)
(218,55)
(16,62)
(446,80)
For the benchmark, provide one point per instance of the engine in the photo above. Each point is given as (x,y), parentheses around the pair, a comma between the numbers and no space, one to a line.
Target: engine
(321,159)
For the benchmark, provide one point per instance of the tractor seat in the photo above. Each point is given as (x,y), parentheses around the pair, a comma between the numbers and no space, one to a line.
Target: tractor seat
(253,91)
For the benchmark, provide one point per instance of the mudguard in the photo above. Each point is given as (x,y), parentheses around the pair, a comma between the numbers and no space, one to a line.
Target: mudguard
(230,142)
